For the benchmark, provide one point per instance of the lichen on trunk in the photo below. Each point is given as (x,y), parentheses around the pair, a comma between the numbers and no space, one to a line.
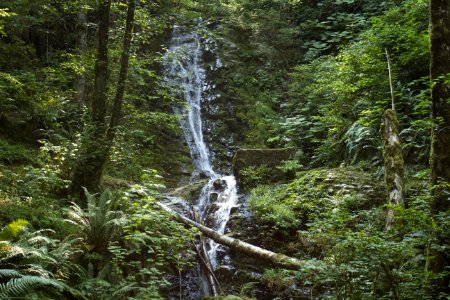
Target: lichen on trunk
(393,162)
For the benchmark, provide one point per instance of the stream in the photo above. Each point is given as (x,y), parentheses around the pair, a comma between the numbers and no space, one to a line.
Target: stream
(185,73)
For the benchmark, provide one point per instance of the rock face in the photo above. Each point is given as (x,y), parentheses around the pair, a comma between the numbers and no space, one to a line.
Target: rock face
(270,158)
(189,192)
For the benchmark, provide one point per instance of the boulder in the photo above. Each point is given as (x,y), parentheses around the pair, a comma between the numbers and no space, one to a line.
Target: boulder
(189,192)
(219,184)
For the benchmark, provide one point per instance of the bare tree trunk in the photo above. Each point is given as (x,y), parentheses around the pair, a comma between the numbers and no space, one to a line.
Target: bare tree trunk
(97,146)
(392,154)
(238,245)
(207,267)
(393,163)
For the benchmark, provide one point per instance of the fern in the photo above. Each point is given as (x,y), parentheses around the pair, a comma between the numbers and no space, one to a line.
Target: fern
(20,286)
(99,224)
(361,143)
(9,273)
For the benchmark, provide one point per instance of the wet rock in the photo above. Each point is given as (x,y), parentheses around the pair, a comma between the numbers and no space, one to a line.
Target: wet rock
(213,196)
(219,184)
(222,251)
(223,298)
(224,272)
(200,175)
(189,192)
(234,210)
(209,219)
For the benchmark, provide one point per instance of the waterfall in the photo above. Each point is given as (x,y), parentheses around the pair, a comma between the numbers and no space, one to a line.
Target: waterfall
(186,74)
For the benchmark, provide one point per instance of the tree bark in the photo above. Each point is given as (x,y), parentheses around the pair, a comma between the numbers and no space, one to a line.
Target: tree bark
(440,138)
(238,245)
(80,80)
(89,168)
(393,163)
(440,96)
(97,146)
(123,73)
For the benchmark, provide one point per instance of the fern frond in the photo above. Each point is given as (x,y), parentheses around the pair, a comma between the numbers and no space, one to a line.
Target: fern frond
(13,252)
(40,240)
(35,270)
(125,289)
(9,273)
(17,287)
(43,231)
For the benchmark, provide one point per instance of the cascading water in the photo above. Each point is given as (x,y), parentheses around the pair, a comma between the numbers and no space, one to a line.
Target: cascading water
(186,74)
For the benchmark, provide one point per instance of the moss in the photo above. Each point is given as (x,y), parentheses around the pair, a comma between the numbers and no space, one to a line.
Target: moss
(291,206)
(392,154)
(246,159)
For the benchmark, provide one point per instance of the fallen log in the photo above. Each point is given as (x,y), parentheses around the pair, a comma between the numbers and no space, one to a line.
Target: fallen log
(238,245)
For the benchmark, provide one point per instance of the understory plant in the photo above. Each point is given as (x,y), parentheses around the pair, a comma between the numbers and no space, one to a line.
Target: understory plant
(348,255)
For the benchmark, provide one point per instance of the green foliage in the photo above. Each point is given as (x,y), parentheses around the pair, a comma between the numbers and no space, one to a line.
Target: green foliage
(336,118)
(348,255)
(290,167)
(153,242)
(22,285)
(312,194)
(128,243)
(100,224)
(254,176)
(362,143)
(13,229)
(15,153)
(268,208)
(28,264)
(4,13)
(41,182)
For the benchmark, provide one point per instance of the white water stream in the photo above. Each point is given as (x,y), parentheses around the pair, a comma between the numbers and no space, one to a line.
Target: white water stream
(185,72)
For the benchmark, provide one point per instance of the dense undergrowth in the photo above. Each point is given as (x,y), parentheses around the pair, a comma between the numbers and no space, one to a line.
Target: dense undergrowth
(335,221)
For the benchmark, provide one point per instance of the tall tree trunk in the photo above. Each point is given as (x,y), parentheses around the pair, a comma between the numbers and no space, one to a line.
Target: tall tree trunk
(440,96)
(80,80)
(97,146)
(440,139)
(118,99)
(89,168)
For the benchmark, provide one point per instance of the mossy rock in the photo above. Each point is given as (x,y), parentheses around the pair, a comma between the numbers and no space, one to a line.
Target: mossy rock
(261,159)
(189,192)
(346,180)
